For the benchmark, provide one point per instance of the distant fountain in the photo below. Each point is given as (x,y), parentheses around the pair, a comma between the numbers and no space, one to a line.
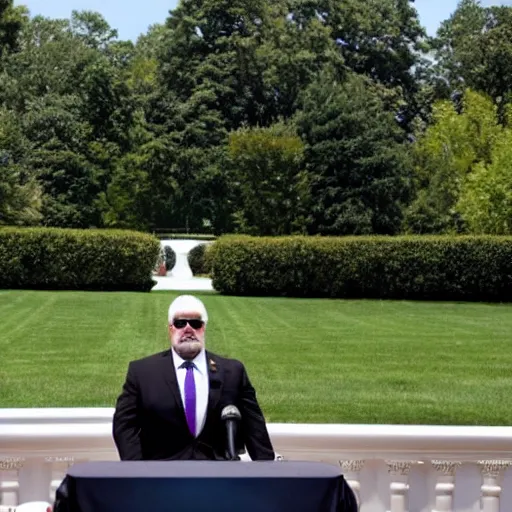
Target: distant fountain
(180,277)
(181,248)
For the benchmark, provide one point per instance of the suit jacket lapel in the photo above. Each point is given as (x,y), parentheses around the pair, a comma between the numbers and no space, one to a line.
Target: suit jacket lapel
(216,377)
(172,382)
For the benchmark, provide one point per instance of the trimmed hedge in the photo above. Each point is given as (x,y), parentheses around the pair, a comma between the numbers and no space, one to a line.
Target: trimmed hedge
(69,259)
(162,235)
(405,267)
(197,259)
(169,257)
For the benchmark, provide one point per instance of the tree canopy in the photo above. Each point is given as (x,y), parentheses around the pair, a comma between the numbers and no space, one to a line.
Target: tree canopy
(264,117)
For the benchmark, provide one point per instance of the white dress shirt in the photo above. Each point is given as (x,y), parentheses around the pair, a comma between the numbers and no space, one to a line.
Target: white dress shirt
(202,385)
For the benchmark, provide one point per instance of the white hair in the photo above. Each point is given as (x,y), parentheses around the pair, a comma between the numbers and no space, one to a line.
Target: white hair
(187,304)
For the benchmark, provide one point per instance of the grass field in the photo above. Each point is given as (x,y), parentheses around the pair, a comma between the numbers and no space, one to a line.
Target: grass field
(311,360)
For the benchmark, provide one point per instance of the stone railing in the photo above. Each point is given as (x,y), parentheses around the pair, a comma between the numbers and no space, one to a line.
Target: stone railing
(391,467)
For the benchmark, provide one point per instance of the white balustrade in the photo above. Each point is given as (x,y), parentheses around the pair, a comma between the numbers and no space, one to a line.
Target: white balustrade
(445,486)
(399,487)
(492,471)
(395,468)
(352,472)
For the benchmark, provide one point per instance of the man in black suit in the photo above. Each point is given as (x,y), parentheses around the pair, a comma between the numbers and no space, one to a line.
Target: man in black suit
(171,402)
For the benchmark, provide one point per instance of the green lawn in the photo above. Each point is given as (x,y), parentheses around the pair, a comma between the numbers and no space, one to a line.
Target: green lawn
(311,360)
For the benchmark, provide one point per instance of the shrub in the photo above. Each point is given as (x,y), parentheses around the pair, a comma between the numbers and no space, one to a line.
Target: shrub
(197,259)
(406,267)
(51,258)
(169,258)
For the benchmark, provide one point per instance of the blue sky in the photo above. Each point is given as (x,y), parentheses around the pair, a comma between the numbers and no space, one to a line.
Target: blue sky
(132,17)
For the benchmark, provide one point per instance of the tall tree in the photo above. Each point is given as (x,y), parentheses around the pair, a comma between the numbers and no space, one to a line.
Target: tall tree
(76,111)
(92,29)
(50,61)
(142,187)
(208,82)
(485,200)
(273,189)
(20,194)
(356,158)
(445,155)
(296,47)
(380,39)
(59,159)
(377,38)
(12,20)
(210,61)
(474,49)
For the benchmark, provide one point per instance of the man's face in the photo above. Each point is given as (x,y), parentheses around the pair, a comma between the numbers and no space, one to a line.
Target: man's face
(187,340)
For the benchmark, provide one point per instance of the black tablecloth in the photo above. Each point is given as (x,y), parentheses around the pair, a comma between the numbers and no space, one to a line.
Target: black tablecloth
(188,486)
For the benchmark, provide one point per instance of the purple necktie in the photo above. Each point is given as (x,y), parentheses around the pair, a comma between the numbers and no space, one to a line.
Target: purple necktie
(190,396)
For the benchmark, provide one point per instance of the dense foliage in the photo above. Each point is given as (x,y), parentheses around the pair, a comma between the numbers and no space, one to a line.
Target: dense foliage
(332,117)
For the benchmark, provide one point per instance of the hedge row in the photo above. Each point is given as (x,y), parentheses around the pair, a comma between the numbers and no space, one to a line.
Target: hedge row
(51,258)
(412,267)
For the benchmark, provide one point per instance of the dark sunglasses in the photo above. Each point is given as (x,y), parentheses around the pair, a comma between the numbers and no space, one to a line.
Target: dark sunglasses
(195,323)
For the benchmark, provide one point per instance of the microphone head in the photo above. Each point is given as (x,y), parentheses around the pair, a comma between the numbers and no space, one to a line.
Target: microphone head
(230,412)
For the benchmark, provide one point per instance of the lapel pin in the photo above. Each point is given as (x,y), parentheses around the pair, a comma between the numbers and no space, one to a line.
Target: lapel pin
(213,365)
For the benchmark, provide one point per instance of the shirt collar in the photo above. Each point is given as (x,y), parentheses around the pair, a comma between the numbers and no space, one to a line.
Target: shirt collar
(199,361)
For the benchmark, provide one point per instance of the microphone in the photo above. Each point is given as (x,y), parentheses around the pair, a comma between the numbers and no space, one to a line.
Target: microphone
(231,415)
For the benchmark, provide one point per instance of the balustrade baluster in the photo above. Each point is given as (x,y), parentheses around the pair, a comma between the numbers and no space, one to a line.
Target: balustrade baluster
(60,467)
(9,489)
(492,471)
(399,487)
(351,472)
(35,477)
(445,485)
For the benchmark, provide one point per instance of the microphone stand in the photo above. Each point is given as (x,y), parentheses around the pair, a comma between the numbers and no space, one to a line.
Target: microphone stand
(231,430)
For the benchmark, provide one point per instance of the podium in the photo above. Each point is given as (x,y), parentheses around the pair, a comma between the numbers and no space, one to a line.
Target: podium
(204,486)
